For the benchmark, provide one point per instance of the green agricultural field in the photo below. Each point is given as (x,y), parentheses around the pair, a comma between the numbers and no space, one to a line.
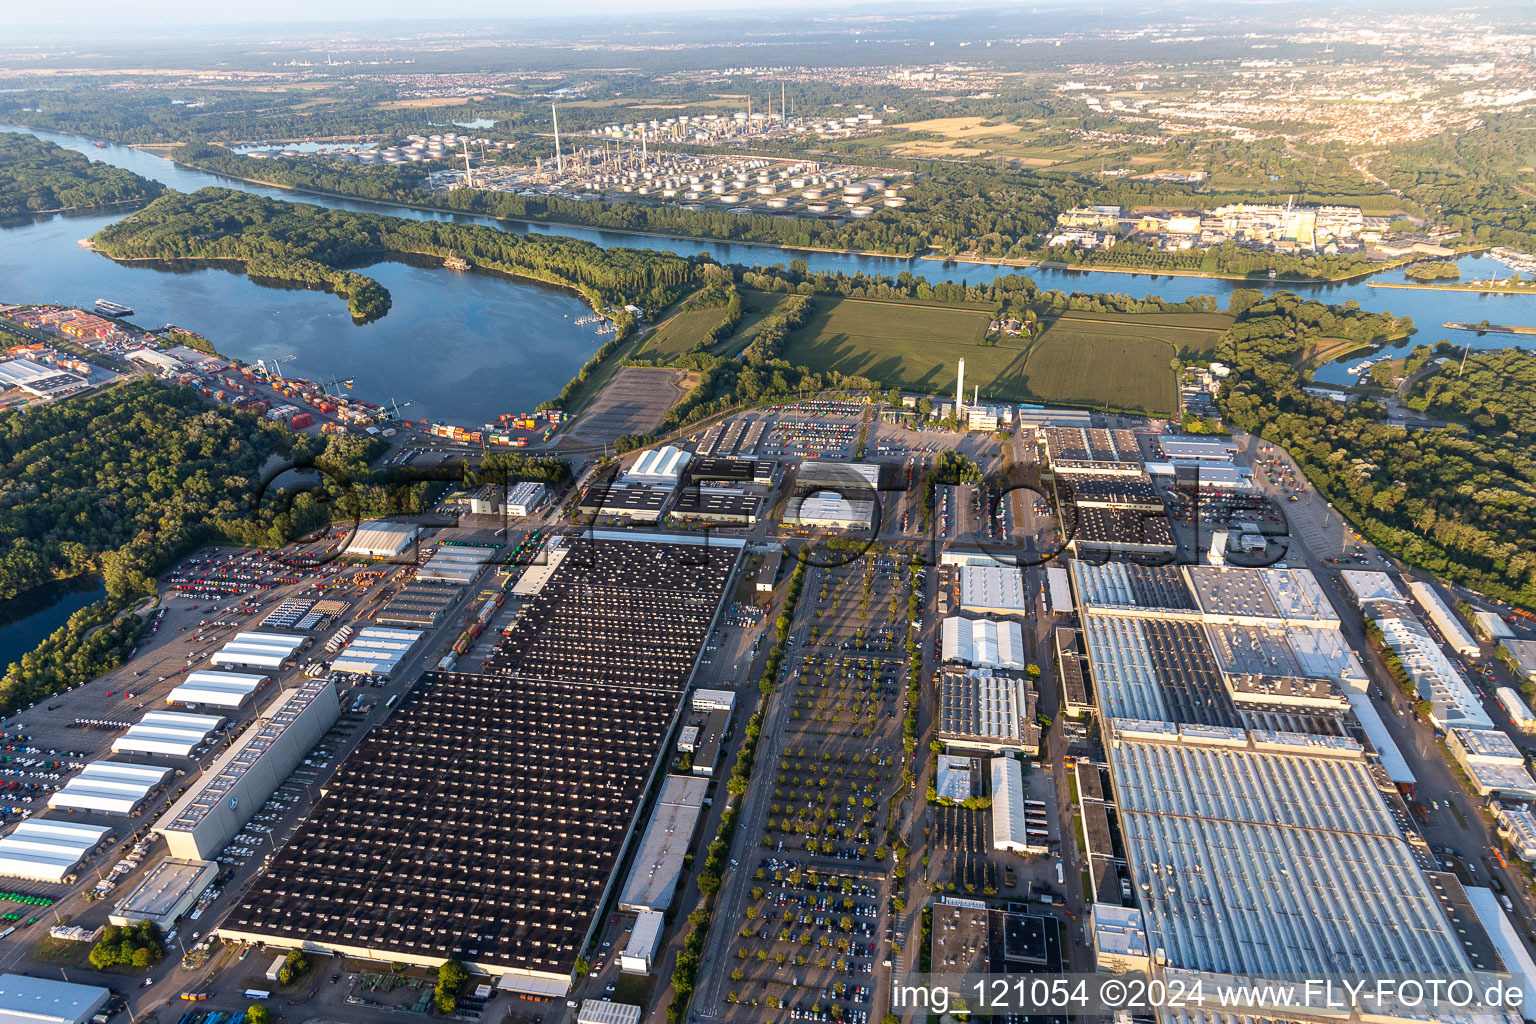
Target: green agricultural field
(679,335)
(1118,359)
(911,344)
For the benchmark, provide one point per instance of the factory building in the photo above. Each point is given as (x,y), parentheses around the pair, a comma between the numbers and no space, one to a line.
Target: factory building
(454,565)
(1517,825)
(1522,655)
(768,573)
(1507,941)
(167,733)
(658,467)
(1494,765)
(637,504)
(639,954)
(228,690)
(658,864)
(1445,620)
(418,607)
(1518,710)
(1120,939)
(169,890)
(992,590)
(27,1000)
(983,643)
(1009,827)
(109,787)
(47,849)
(847,477)
(732,471)
(518,501)
(381,539)
(257,650)
(210,813)
(983,710)
(828,510)
(717,505)
(376,651)
(1207,814)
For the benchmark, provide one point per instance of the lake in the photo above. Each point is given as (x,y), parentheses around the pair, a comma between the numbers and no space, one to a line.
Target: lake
(18,636)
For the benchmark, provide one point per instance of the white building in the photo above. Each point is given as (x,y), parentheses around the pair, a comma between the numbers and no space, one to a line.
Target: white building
(1517,825)
(983,643)
(47,849)
(382,539)
(1519,711)
(376,650)
(658,467)
(108,787)
(257,650)
(1009,829)
(1445,619)
(170,733)
(829,510)
(601,1011)
(992,590)
(639,954)
(1492,762)
(26,1000)
(228,690)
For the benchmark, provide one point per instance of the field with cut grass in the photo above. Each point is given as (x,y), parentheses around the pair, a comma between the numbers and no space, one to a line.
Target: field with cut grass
(681,333)
(1119,359)
(913,345)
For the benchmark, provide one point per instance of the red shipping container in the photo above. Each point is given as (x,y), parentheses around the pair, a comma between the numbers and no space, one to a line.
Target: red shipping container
(301,420)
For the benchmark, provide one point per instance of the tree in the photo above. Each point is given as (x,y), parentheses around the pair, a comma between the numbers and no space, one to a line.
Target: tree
(451,976)
(893,399)
(257,1014)
(583,965)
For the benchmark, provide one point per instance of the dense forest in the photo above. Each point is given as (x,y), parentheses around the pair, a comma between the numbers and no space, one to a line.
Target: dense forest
(311,245)
(1460,503)
(40,177)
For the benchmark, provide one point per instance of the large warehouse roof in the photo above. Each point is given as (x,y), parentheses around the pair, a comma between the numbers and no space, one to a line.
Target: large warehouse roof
(376,651)
(217,689)
(174,733)
(829,509)
(46,849)
(659,466)
(454,564)
(1131,588)
(980,709)
(109,787)
(984,643)
(256,650)
(1009,830)
(382,539)
(992,588)
(26,1000)
(1267,861)
(659,862)
(1260,596)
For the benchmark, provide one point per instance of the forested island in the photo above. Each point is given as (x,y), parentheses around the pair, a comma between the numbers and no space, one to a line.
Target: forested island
(40,177)
(1458,502)
(311,245)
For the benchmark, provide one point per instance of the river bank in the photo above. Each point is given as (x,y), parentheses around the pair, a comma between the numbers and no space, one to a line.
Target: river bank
(1487,328)
(1477,289)
(1162,272)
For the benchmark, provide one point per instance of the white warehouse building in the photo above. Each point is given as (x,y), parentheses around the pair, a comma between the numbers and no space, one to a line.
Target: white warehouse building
(257,650)
(230,690)
(658,466)
(169,733)
(376,651)
(983,643)
(109,787)
(47,849)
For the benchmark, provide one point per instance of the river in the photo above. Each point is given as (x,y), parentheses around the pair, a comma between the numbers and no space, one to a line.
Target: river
(468,347)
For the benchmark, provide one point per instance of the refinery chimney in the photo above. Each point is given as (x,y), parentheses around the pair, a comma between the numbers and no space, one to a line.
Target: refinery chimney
(559,158)
(960,392)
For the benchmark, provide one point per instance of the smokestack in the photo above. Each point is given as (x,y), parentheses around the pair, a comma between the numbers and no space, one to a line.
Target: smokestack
(976,394)
(469,178)
(559,157)
(960,391)
(643,155)
(783,106)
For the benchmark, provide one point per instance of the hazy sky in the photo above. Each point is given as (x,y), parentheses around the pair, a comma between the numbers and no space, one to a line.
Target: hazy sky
(186,13)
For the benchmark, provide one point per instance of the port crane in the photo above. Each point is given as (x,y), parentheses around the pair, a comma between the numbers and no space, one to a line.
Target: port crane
(336,382)
(397,407)
(274,366)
